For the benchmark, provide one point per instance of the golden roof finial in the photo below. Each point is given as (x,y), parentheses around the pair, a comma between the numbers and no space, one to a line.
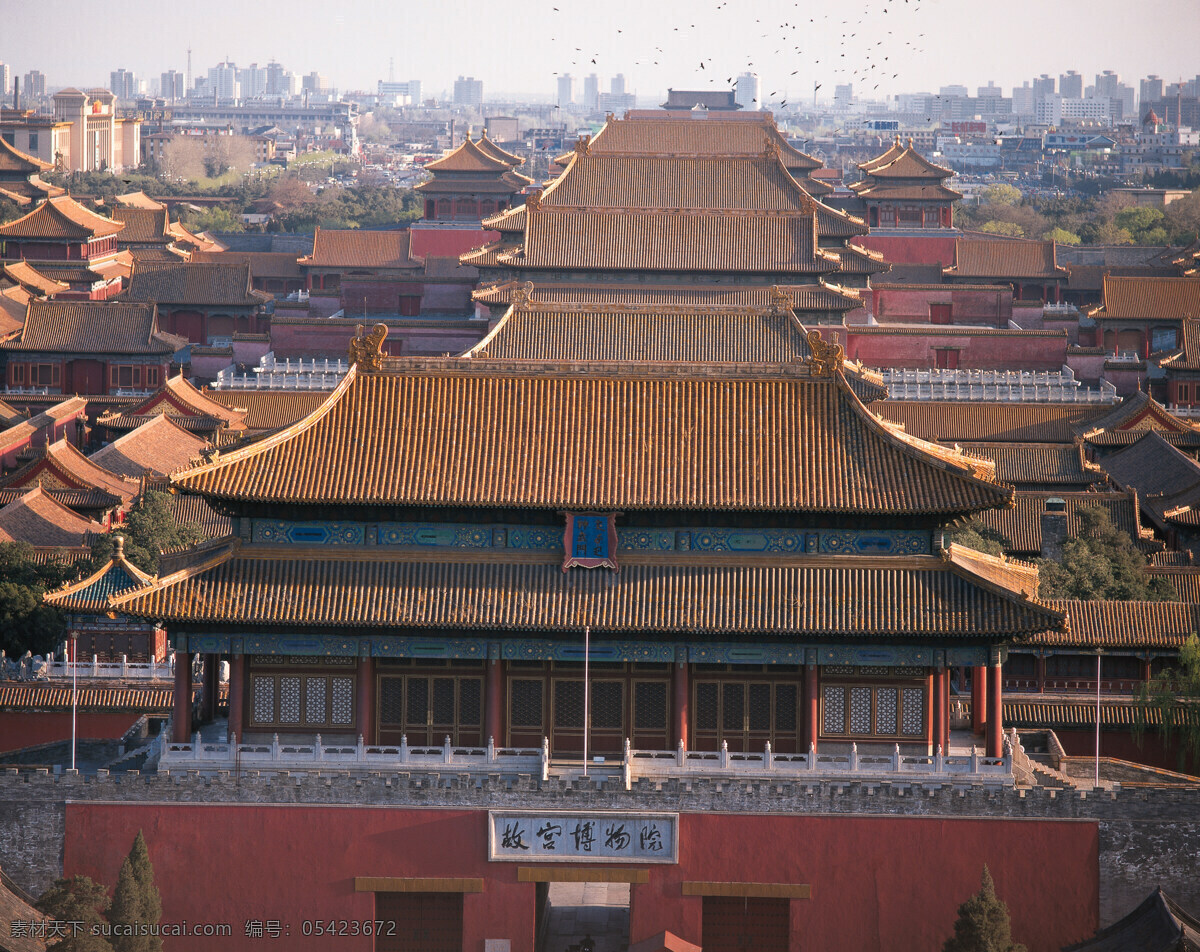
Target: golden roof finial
(910,142)
(366,350)
(827,357)
(521,294)
(533,201)
(583,145)
(781,301)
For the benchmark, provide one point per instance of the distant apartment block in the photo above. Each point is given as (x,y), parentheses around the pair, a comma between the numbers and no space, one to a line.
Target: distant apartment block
(468,91)
(399,94)
(123,84)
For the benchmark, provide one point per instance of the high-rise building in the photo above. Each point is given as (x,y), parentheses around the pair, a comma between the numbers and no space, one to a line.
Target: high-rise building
(253,80)
(172,85)
(5,79)
(399,94)
(34,84)
(990,91)
(1106,83)
(564,98)
(954,92)
(1151,89)
(468,91)
(1043,86)
(591,92)
(1023,100)
(279,81)
(315,82)
(123,84)
(748,92)
(223,81)
(843,95)
(616,85)
(1070,85)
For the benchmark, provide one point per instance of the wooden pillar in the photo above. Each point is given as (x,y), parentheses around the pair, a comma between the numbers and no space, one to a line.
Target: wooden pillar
(1146,668)
(237,689)
(931,710)
(946,707)
(493,726)
(812,707)
(939,708)
(995,726)
(363,689)
(1041,674)
(978,695)
(181,709)
(680,689)
(208,697)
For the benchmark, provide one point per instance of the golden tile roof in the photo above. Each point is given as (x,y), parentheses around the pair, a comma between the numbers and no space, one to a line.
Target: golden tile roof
(263,264)
(469,157)
(158,447)
(1104,624)
(1077,713)
(137,200)
(803,297)
(478,433)
(179,395)
(79,500)
(193,242)
(489,255)
(489,147)
(903,162)
(1133,417)
(60,217)
(1149,299)
(1021,525)
(881,190)
(1005,258)
(357,248)
(509,220)
(644,333)
(670,241)
(1050,463)
(93,327)
(965,422)
(91,594)
(143,224)
(13,160)
(269,409)
(41,697)
(1185,578)
(506,184)
(195,511)
(32,279)
(217,283)
(787,596)
(60,465)
(13,303)
(856,260)
(41,520)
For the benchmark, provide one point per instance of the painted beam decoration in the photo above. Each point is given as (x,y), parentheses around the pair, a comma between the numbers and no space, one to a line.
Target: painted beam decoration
(590,540)
(593,836)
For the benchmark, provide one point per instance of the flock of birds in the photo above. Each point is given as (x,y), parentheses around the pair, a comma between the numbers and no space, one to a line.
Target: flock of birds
(846,61)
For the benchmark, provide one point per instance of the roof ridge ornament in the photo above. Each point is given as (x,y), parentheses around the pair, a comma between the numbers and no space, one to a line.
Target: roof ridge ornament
(772,150)
(533,201)
(827,357)
(781,301)
(521,295)
(583,145)
(366,350)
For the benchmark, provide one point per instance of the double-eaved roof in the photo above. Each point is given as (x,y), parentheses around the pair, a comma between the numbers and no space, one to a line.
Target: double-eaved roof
(93,327)
(211,283)
(1149,299)
(60,218)
(1005,258)
(90,595)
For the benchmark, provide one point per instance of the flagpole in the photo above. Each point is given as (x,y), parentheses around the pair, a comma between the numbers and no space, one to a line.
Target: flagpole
(587,694)
(1097,719)
(74,690)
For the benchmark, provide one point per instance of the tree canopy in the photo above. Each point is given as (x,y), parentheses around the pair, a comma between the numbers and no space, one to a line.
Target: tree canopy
(149,528)
(78,899)
(26,622)
(1101,563)
(1172,699)
(136,902)
(983,924)
(975,535)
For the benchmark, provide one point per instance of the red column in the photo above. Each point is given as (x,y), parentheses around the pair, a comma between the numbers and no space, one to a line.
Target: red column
(208,700)
(181,711)
(237,687)
(939,707)
(1041,674)
(995,726)
(812,704)
(679,728)
(364,688)
(946,727)
(493,726)
(978,698)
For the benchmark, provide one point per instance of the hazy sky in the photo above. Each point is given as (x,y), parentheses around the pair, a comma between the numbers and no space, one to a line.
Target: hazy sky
(899,45)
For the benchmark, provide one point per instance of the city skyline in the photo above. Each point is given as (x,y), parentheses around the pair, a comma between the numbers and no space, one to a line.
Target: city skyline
(793,48)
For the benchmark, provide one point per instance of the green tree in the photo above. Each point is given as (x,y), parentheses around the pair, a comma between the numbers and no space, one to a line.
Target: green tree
(78,899)
(216,218)
(136,902)
(148,530)
(1101,563)
(983,924)
(1146,226)
(1001,194)
(1174,696)
(975,535)
(1183,219)
(26,622)
(1009,228)
(1062,236)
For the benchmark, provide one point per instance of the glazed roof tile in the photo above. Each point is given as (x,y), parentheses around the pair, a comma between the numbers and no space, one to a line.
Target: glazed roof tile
(93,327)
(42,697)
(1185,578)
(60,217)
(263,264)
(158,447)
(506,184)
(13,303)
(648,333)
(1133,417)
(76,499)
(1021,526)
(963,422)
(29,277)
(486,145)
(1076,713)
(986,258)
(90,595)
(24,430)
(208,283)
(182,397)
(509,220)
(137,200)
(903,162)
(880,190)
(1159,924)
(1153,466)
(1051,463)
(356,248)
(469,157)
(1154,299)
(803,297)
(917,596)
(143,224)
(195,511)
(41,520)
(60,465)
(267,409)
(461,432)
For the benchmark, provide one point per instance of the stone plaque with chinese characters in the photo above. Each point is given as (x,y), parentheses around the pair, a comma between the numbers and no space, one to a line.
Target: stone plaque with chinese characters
(583,837)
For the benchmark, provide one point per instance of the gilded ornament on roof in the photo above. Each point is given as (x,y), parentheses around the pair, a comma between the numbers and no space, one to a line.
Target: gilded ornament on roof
(366,350)
(827,357)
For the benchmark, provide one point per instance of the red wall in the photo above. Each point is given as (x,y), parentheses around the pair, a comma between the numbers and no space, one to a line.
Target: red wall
(909,351)
(876,882)
(936,248)
(20,729)
(991,308)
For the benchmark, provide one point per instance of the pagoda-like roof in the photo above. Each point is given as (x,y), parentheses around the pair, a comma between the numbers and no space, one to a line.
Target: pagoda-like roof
(209,283)
(961,595)
(14,162)
(60,218)
(158,447)
(41,520)
(1049,463)
(903,162)
(30,278)
(1159,924)
(179,398)
(1005,258)
(91,595)
(473,432)
(1149,299)
(469,157)
(358,248)
(137,200)
(490,148)
(934,192)
(60,465)
(93,327)
(143,225)
(1130,420)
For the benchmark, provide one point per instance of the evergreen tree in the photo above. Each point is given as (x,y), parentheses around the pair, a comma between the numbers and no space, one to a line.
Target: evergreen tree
(148,530)
(136,903)
(973,534)
(1173,694)
(982,924)
(78,900)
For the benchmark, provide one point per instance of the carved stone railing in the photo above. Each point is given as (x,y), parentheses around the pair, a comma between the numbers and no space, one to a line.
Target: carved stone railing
(122,670)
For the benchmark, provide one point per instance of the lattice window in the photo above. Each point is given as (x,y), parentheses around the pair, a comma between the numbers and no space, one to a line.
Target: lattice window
(885,710)
(568,704)
(417,708)
(835,710)
(649,705)
(470,702)
(314,700)
(264,700)
(759,710)
(443,701)
(706,706)
(913,712)
(391,701)
(860,710)
(289,700)
(608,705)
(785,707)
(525,703)
(343,702)
(733,706)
